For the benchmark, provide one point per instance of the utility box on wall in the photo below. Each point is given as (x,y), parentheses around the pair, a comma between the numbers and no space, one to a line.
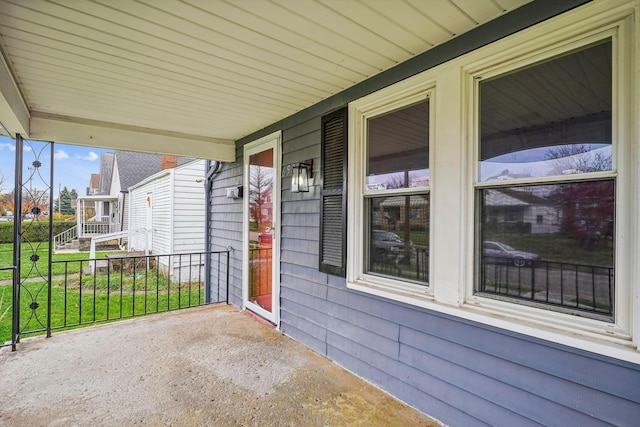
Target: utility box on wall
(235,192)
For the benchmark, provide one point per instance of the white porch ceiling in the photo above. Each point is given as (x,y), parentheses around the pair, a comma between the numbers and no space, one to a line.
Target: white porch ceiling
(189,77)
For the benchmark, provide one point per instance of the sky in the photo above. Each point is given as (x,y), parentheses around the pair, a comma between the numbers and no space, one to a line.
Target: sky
(72,167)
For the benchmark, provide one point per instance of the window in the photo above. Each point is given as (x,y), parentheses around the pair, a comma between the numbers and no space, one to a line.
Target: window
(501,186)
(390,225)
(546,185)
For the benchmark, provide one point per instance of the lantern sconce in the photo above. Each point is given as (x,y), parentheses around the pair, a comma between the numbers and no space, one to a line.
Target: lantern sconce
(301,174)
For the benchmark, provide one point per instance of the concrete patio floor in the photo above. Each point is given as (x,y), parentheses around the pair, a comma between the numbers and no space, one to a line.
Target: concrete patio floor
(210,366)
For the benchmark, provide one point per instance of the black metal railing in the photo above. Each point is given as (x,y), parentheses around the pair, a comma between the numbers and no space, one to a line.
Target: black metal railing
(260,270)
(6,305)
(122,286)
(413,267)
(587,288)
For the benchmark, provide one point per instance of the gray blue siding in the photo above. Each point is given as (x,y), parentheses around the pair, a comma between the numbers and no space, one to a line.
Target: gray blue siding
(460,372)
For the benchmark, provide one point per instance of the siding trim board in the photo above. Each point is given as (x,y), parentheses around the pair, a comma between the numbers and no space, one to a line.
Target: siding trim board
(458,369)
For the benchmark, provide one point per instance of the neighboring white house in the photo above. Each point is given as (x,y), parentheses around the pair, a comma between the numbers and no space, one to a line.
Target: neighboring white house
(167,215)
(106,208)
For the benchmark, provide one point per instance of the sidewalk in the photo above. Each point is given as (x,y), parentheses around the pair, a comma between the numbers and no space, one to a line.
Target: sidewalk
(210,366)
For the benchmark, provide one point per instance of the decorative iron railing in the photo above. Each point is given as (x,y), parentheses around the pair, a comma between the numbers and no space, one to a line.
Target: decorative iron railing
(6,304)
(260,271)
(125,285)
(587,288)
(415,266)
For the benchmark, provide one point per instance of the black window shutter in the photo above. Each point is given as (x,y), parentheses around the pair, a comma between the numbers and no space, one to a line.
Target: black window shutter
(333,199)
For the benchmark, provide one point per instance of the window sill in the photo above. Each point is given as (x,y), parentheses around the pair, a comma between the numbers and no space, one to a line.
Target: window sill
(407,293)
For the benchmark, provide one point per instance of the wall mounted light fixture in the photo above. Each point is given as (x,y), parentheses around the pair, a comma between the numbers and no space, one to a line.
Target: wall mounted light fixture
(301,173)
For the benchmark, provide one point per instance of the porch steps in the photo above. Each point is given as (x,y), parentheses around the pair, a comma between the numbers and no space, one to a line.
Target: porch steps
(83,244)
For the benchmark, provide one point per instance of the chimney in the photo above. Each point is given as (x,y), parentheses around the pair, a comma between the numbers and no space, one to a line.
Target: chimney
(169,162)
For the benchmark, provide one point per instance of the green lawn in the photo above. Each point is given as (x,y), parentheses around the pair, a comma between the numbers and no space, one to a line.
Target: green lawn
(99,298)
(70,308)
(41,250)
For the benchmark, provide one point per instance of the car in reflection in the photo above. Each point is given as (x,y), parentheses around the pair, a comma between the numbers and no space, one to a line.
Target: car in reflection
(388,246)
(502,253)
(266,236)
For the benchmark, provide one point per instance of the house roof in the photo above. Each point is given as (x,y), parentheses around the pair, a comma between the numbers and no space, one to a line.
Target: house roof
(191,77)
(164,172)
(134,167)
(106,170)
(511,197)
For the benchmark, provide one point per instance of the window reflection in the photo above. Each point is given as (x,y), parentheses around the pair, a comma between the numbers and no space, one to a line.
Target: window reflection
(552,244)
(398,149)
(553,118)
(399,237)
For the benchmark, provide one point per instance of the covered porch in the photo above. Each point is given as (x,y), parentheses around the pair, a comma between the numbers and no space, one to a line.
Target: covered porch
(97,215)
(213,365)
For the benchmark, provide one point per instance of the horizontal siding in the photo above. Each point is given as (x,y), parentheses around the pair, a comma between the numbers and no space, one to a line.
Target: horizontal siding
(482,371)
(461,372)
(457,371)
(160,190)
(161,212)
(189,208)
(137,210)
(225,227)
(438,408)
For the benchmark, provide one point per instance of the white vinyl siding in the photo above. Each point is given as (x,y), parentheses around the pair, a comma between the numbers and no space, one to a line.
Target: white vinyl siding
(178,212)
(188,208)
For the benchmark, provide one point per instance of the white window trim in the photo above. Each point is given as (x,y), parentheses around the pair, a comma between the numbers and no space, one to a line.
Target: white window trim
(359,112)
(453,163)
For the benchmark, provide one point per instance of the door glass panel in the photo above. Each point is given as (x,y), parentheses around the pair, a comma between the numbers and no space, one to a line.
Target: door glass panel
(261,234)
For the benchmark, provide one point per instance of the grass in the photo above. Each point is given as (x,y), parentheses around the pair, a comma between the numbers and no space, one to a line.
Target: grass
(71,308)
(41,250)
(99,298)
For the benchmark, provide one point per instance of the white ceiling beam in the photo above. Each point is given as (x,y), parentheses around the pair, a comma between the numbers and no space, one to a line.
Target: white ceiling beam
(92,133)
(14,114)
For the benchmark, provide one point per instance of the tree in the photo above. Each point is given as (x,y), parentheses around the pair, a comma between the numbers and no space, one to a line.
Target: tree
(35,201)
(3,206)
(588,210)
(7,202)
(574,158)
(260,183)
(63,204)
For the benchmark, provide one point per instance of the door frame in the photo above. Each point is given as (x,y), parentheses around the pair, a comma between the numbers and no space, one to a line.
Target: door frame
(271,141)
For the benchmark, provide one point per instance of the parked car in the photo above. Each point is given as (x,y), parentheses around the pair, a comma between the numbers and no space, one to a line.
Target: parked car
(501,252)
(266,236)
(388,246)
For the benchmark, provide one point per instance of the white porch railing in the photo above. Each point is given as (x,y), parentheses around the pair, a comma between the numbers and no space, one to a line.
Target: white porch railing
(65,236)
(89,228)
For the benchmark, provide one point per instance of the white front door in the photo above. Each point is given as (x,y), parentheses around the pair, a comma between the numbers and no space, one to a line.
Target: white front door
(261,279)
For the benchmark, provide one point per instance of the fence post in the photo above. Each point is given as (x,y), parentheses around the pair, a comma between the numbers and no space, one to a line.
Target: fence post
(17,243)
(228,268)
